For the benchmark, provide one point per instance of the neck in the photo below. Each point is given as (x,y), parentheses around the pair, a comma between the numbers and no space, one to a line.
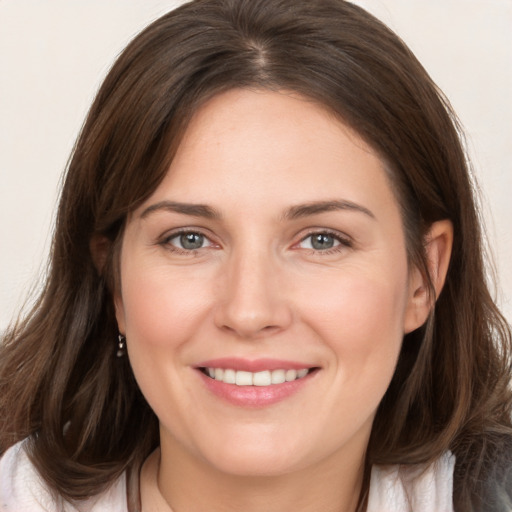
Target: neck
(176,481)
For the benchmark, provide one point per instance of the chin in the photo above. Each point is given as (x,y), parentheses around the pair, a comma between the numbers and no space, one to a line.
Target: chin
(255,467)
(257,458)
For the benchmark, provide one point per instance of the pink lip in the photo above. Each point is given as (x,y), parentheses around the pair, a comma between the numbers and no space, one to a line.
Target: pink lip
(254,396)
(257,365)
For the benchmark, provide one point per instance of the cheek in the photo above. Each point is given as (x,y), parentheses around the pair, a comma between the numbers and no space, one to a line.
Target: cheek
(360,317)
(161,307)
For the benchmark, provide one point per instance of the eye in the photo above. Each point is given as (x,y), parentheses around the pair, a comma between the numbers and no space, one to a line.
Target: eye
(323,241)
(188,241)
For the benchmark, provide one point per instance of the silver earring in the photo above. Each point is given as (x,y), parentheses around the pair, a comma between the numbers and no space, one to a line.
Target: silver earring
(120,345)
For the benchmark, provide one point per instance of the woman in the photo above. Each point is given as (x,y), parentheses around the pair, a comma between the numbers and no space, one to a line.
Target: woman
(266,277)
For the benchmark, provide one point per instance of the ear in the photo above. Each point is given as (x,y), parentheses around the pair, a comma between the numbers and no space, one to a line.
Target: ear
(120,315)
(438,248)
(99,246)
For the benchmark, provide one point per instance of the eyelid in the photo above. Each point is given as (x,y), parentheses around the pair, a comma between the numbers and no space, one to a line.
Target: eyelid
(344,240)
(165,239)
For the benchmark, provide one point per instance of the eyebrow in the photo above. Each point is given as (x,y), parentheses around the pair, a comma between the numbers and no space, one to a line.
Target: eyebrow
(305,210)
(292,213)
(192,209)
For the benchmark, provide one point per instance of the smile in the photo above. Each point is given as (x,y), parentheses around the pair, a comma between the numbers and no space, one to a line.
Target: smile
(255,383)
(262,378)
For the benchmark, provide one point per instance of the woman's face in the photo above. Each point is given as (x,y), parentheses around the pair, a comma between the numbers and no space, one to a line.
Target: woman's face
(264,289)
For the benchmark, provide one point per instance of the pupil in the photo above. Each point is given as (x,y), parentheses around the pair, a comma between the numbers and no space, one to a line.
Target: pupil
(191,240)
(322,241)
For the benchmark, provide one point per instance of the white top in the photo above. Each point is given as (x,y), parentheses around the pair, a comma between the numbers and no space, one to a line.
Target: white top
(392,489)
(413,489)
(23,490)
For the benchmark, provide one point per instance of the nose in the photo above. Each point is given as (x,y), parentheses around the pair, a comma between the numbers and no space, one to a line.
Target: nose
(252,300)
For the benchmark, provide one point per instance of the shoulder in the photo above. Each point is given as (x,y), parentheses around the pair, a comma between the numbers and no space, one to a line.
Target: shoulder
(22,489)
(495,482)
(483,473)
(422,488)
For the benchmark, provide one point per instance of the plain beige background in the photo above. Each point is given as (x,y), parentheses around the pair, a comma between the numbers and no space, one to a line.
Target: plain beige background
(54,54)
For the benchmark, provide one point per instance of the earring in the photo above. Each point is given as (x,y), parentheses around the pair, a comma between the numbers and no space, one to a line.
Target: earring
(120,345)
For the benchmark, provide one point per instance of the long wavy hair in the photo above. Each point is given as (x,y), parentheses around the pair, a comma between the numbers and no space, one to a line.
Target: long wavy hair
(61,384)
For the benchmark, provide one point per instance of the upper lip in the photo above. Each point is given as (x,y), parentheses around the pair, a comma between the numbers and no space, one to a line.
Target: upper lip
(253,365)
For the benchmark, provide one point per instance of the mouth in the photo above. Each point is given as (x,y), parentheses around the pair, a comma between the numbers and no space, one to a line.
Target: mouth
(255,384)
(263,378)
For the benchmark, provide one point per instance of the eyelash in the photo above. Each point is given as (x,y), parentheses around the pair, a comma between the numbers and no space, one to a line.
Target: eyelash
(343,242)
(166,242)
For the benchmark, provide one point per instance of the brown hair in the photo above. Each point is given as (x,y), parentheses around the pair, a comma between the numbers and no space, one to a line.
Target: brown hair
(60,382)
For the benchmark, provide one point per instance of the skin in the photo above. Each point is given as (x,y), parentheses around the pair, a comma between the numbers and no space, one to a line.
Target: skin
(256,288)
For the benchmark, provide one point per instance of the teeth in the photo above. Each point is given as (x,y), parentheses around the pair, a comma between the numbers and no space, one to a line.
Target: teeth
(291,375)
(261,379)
(242,378)
(264,378)
(278,376)
(229,376)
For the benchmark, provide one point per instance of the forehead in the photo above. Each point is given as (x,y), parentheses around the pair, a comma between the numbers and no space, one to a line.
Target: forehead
(248,116)
(261,147)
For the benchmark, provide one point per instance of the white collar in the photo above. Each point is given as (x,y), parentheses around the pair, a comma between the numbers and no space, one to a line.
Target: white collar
(413,488)
(392,489)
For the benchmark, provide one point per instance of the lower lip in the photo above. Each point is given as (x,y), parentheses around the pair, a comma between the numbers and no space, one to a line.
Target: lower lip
(254,396)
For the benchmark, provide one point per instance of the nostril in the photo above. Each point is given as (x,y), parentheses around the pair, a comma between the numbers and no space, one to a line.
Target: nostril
(251,332)
(250,314)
